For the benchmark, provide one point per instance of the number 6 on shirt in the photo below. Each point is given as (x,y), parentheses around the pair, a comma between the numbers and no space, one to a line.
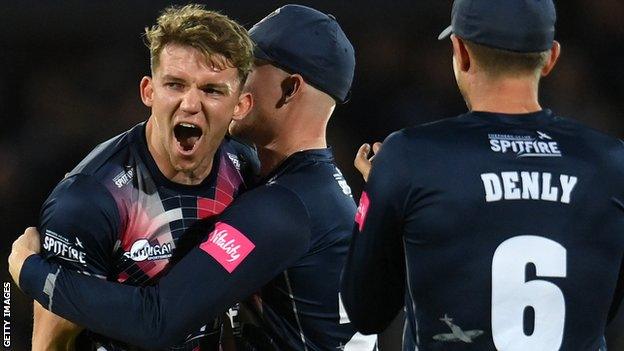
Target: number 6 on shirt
(512,294)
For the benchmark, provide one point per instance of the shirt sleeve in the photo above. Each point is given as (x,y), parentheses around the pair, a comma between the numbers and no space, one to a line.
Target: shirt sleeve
(373,281)
(262,233)
(78,226)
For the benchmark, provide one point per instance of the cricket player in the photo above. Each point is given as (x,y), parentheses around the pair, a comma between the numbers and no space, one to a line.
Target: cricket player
(284,241)
(130,209)
(501,228)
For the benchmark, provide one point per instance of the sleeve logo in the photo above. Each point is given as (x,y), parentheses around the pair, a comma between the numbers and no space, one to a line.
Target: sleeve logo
(362,210)
(62,247)
(228,246)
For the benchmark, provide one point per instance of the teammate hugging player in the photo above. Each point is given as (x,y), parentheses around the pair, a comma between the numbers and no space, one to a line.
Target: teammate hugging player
(286,239)
(500,228)
(131,207)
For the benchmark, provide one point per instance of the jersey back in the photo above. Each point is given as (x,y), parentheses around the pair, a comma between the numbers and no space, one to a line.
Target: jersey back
(511,227)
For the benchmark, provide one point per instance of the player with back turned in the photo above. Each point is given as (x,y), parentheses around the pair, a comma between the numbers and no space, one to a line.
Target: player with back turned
(500,228)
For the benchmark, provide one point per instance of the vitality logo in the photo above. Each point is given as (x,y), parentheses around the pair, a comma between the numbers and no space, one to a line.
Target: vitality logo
(228,246)
(539,145)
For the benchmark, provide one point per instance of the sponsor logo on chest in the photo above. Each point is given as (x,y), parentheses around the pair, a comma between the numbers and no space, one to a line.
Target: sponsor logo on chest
(124,177)
(235,161)
(143,250)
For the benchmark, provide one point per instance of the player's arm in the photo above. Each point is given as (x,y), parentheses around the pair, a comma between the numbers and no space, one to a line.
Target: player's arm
(373,279)
(76,226)
(51,332)
(258,236)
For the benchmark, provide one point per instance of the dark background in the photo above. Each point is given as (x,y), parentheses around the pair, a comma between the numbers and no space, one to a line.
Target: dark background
(69,75)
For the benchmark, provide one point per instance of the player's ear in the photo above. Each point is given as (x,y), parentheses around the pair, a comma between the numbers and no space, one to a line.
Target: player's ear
(291,87)
(147,91)
(244,105)
(555,52)
(460,53)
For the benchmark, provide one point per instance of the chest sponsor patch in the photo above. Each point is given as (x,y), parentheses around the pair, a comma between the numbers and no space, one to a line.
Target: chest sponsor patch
(228,246)
(124,177)
(362,210)
(142,250)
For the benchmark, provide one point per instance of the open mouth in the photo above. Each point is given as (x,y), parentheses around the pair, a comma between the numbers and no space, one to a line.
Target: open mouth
(187,135)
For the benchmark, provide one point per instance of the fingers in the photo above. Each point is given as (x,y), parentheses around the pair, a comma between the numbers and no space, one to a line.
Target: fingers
(363,151)
(32,239)
(362,162)
(27,244)
(376,148)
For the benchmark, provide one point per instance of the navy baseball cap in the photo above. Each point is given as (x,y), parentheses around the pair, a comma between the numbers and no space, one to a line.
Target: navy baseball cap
(515,25)
(303,40)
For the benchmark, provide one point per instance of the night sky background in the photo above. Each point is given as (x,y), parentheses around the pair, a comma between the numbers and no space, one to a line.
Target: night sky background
(71,71)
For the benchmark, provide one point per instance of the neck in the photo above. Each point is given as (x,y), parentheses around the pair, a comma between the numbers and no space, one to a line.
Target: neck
(274,153)
(505,95)
(294,134)
(299,126)
(163,161)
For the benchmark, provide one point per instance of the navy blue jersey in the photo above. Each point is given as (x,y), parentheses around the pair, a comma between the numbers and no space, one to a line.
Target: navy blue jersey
(284,241)
(496,232)
(116,217)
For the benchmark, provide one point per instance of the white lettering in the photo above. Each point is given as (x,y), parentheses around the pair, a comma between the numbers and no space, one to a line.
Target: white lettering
(505,144)
(142,250)
(509,184)
(64,250)
(524,145)
(548,193)
(7,334)
(495,145)
(530,185)
(567,185)
(229,246)
(492,186)
(6,312)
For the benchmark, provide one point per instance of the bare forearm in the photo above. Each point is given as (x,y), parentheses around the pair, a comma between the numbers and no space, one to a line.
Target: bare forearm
(51,332)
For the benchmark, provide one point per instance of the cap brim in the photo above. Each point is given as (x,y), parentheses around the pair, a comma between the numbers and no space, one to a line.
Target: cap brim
(260,54)
(446,33)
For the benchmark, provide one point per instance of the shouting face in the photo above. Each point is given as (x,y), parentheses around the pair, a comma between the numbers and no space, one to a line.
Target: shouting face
(193,100)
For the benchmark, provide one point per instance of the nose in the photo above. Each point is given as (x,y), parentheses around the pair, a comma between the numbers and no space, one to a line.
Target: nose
(191,102)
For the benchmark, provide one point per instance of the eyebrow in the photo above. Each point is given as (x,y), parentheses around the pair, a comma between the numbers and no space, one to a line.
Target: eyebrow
(217,86)
(171,77)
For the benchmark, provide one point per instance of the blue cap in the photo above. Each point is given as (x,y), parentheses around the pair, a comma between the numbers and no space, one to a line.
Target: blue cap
(514,25)
(303,40)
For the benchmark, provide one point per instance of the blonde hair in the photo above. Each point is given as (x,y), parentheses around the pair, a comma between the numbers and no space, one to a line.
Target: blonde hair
(223,42)
(498,62)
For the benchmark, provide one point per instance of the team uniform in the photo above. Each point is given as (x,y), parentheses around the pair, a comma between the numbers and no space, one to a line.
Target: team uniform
(285,241)
(495,231)
(118,218)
